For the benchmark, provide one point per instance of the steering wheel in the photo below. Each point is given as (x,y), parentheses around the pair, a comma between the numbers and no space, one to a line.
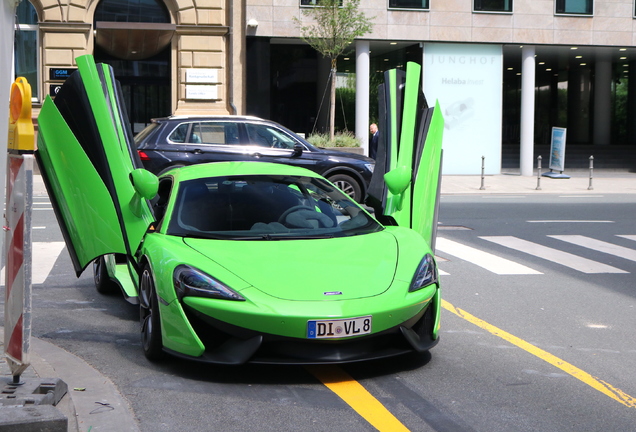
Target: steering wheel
(290,210)
(302,215)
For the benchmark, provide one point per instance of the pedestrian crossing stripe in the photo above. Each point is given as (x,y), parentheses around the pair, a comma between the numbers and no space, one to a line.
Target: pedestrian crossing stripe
(554,255)
(598,245)
(44,257)
(488,261)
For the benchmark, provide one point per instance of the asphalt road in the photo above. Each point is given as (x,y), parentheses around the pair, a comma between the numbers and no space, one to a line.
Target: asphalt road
(528,343)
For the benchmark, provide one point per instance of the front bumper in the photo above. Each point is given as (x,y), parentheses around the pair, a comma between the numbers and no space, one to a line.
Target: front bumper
(233,345)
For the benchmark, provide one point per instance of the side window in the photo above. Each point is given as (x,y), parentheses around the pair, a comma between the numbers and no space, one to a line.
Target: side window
(220,133)
(266,136)
(26,46)
(179,134)
(160,201)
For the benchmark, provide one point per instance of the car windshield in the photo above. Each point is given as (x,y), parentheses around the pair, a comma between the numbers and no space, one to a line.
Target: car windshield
(266,207)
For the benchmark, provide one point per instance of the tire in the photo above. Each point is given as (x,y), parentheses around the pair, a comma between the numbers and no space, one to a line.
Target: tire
(103,282)
(150,320)
(348,185)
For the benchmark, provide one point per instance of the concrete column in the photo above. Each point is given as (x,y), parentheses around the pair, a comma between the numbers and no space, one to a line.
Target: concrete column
(579,95)
(527,110)
(602,102)
(631,104)
(362,93)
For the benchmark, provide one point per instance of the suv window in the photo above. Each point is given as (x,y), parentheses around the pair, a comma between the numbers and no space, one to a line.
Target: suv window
(220,133)
(215,133)
(266,136)
(179,134)
(146,132)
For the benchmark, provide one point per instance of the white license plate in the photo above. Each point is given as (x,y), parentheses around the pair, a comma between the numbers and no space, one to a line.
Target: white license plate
(338,328)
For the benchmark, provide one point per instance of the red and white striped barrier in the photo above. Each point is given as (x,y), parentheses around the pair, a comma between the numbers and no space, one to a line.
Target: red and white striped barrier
(17,311)
(18,209)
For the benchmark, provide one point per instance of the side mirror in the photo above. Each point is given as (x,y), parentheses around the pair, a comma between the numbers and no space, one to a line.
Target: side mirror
(146,184)
(398,179)
(298,150)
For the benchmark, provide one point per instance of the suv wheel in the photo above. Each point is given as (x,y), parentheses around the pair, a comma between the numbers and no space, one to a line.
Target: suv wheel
(348,185)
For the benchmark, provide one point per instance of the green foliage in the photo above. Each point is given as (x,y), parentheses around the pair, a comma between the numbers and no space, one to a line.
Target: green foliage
(336,24)
(345,108)
(341,139)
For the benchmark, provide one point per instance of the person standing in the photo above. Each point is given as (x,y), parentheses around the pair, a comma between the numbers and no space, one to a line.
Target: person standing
(373,145)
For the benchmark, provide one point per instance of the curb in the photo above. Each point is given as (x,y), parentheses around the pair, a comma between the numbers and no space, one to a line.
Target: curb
(98,406)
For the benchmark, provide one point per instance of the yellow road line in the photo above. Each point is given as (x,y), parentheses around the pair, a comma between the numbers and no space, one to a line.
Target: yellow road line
(357,397)
(566,367)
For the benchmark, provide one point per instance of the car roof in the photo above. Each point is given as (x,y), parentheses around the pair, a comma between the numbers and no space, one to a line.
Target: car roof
(216,169)
(211,117)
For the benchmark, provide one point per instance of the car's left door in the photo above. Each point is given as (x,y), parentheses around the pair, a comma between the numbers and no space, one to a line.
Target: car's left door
(90,166)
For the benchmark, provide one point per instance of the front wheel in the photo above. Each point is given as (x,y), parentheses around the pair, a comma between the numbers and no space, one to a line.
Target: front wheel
(348,185)
(151,341)
(103,282)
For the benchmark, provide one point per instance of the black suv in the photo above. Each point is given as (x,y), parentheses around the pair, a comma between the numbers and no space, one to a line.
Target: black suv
(179,140)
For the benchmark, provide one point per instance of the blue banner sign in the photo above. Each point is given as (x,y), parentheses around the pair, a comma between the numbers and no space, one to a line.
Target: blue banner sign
(557,149)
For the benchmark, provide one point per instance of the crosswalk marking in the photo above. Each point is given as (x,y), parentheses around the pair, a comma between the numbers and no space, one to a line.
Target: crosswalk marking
(628,237)
(569,221)
(554,255)
(44,256)
(488,261)
(601,246)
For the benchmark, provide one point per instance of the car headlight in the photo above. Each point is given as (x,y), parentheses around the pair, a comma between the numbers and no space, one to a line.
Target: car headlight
(425,275)
(370,166)
(189,281)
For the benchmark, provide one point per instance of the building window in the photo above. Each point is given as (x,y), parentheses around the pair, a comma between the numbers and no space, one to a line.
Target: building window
(312,2)
(578,7)
(493,5)
(132,11)
(26,46)
(408,4)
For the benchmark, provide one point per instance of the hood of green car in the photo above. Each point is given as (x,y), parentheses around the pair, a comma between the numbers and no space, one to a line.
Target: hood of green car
(309,270)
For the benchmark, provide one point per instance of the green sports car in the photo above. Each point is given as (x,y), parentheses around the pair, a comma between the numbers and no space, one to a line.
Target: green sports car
(239,262)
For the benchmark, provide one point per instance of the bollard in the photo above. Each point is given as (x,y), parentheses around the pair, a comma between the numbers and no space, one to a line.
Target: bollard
(591,172)
(538,173)
(483,167)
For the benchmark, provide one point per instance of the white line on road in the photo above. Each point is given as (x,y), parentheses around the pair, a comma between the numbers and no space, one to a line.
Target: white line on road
(488,261)
(628,237)
(569,221)
(554,255)
(44,256)
(598,245)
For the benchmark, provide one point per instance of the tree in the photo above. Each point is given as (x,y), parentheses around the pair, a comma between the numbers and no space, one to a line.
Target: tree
(335,24)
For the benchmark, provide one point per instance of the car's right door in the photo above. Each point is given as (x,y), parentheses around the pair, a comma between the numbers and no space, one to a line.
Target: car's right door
(404,189)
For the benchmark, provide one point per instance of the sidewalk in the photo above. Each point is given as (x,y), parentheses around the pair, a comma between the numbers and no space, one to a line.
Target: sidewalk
(603,182)
(94,404)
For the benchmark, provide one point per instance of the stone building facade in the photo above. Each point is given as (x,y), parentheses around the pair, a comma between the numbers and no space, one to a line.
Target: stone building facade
(196,36)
